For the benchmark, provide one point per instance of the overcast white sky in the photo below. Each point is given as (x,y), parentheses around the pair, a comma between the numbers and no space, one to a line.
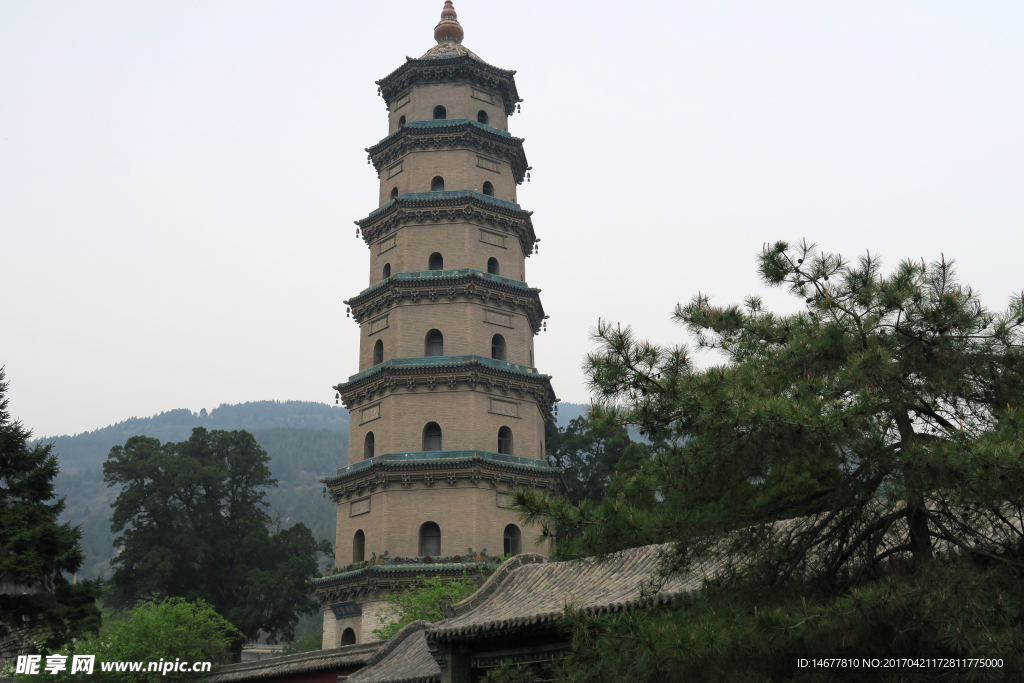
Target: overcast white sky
(178,180)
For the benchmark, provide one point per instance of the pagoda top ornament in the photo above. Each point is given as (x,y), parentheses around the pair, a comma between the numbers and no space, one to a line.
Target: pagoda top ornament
(448,30)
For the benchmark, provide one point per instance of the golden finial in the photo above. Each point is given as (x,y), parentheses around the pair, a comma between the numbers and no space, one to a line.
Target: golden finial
(448,29)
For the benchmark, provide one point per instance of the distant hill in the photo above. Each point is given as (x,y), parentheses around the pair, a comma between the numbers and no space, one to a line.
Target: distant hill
(304,440)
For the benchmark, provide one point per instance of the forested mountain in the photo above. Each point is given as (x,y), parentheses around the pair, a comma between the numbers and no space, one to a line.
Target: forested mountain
(305,441)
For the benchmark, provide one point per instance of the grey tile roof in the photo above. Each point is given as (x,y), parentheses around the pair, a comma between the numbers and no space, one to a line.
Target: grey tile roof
(529,591)
(405,658)
(348,656)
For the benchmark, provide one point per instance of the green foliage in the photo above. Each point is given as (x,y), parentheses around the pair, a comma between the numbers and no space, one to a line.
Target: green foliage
(193,525)
(587,454)
(422,602)
(170,630)
(298,457)
(38,605)
(861,456)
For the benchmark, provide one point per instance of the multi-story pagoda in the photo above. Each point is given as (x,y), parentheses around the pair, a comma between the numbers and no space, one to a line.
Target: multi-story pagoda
(447,409)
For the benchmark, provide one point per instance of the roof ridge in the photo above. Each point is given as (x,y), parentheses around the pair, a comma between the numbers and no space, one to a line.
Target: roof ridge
(394,641)
(495,581)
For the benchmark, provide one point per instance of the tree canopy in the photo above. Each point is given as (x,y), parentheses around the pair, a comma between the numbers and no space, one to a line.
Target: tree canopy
(854,471)
(39,607)
(170,630)
(587,455)
(193,525)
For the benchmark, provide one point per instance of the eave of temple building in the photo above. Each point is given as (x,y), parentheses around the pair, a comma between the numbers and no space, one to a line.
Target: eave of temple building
(443,134)
(450,206)
(419,469)
(384,575)
(461,67)
(449,285)
(435,373)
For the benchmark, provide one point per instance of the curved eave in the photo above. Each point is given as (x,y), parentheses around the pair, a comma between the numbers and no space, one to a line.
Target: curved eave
(431,460)
(470,134)
(389,289)
(429,200)
(405,366)
(447,70)
(419,207)
(391,570)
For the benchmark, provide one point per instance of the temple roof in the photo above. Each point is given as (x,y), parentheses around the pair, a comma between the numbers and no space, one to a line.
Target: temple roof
(349,656)
(405,658)
(450,50)
(528,591)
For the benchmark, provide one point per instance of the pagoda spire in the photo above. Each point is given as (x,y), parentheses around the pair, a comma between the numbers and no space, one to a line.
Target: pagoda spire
(448,30)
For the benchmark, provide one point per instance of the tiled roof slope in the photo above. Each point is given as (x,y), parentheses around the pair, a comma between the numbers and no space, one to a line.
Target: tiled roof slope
(405,658)
(290,665)
(527,591)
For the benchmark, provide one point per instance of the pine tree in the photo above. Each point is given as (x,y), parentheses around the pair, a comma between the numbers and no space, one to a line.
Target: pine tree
(39,607)
(854,471)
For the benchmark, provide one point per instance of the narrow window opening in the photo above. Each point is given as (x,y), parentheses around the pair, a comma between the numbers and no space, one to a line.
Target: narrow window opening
(435,343)
(440,112)
(492,266)
(435,262)
(488,188)
(358,546)
(432,437)
(498,347)
(348,637)
(387,270)
(378,352)
(513,540)
(437,184)
(401,121)
(368,445)
(481,117)
(394,193)
(505,441)
(430,539)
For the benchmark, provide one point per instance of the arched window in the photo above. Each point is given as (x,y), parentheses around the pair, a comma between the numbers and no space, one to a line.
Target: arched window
(505,441)
(387,270)
(492,266)
(531,359)
(348,637)
(437,184)
(434,344)
(498,347)
(401,121)
(435,262)
(358,546)
(432,437)
(430,539)
(440,113)
(513,540)
(378,352)
(368,444)
(481,117)
(488,188)
(394,193)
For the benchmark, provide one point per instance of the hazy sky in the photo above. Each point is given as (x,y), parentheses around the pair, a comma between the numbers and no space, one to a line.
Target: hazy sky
(178,180)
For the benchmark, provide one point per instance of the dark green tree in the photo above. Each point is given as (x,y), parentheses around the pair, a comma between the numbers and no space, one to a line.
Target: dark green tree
(39,607)
(193,525)
(587,455)
(851,478)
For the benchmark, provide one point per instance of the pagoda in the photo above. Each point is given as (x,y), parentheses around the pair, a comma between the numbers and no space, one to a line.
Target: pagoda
(448,408)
